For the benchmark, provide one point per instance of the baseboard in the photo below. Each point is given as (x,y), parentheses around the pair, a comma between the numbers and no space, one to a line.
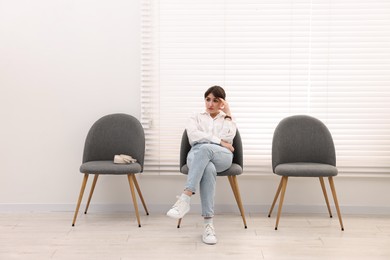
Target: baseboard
(219,209)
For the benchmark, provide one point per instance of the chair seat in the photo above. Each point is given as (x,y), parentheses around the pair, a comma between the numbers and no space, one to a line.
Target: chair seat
(302,169)
(109,167)
(235,169)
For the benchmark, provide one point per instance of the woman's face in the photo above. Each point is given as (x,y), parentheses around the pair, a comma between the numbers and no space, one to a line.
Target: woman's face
(213,104)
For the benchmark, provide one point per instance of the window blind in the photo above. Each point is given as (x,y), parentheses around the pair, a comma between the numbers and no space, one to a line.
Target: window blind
(275,58)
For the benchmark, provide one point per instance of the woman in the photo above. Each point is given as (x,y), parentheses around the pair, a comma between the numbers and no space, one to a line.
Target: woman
(211,135)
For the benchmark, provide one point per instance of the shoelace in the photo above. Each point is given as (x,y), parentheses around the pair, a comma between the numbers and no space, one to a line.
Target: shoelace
(209,230)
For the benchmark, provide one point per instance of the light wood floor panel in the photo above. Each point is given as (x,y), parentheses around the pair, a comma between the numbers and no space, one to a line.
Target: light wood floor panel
(100,235)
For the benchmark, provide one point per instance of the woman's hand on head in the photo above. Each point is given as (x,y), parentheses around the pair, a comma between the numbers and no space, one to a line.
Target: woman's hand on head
(227,145)
(225,107)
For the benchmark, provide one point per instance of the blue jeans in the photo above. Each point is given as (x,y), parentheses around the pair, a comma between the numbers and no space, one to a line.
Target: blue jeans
(204,161)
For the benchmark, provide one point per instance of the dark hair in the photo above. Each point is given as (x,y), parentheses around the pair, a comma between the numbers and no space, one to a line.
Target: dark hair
(217,91)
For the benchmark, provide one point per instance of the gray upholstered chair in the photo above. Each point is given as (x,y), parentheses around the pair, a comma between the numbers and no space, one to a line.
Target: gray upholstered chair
(231,173)
(302,146)
(109,136)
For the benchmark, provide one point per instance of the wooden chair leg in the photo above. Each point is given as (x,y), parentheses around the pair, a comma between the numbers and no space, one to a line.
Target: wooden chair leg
(283,191)
(275,198)
(84,183)
(179,222)
(91,192)
(325,195)
(131,183)
(233,187)
(332,187)
(140,193)
(236,191)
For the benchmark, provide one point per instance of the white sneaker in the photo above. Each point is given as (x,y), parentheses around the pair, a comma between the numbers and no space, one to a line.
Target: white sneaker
(208,236)
(179,209)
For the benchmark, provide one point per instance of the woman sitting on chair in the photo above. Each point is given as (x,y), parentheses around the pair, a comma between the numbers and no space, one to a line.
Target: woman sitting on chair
(211,135)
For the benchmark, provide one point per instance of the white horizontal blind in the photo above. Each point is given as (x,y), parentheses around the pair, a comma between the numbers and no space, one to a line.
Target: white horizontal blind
(275,58)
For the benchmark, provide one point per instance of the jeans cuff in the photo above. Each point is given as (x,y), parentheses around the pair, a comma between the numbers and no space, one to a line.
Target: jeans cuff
(188,189)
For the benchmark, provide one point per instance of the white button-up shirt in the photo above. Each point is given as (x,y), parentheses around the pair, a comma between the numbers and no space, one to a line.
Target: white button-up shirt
(202,128)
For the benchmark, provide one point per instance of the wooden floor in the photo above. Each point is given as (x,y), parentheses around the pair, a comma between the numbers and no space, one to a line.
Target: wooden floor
(102,235)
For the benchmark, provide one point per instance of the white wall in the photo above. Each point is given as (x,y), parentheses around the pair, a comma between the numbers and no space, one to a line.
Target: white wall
(64,64)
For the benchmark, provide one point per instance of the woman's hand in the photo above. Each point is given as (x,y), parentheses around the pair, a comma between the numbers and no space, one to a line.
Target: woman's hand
(225,107)
(227,145)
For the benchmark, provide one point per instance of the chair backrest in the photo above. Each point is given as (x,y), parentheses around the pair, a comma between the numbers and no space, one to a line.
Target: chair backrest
(115,134)
(238,157)
(302,138)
